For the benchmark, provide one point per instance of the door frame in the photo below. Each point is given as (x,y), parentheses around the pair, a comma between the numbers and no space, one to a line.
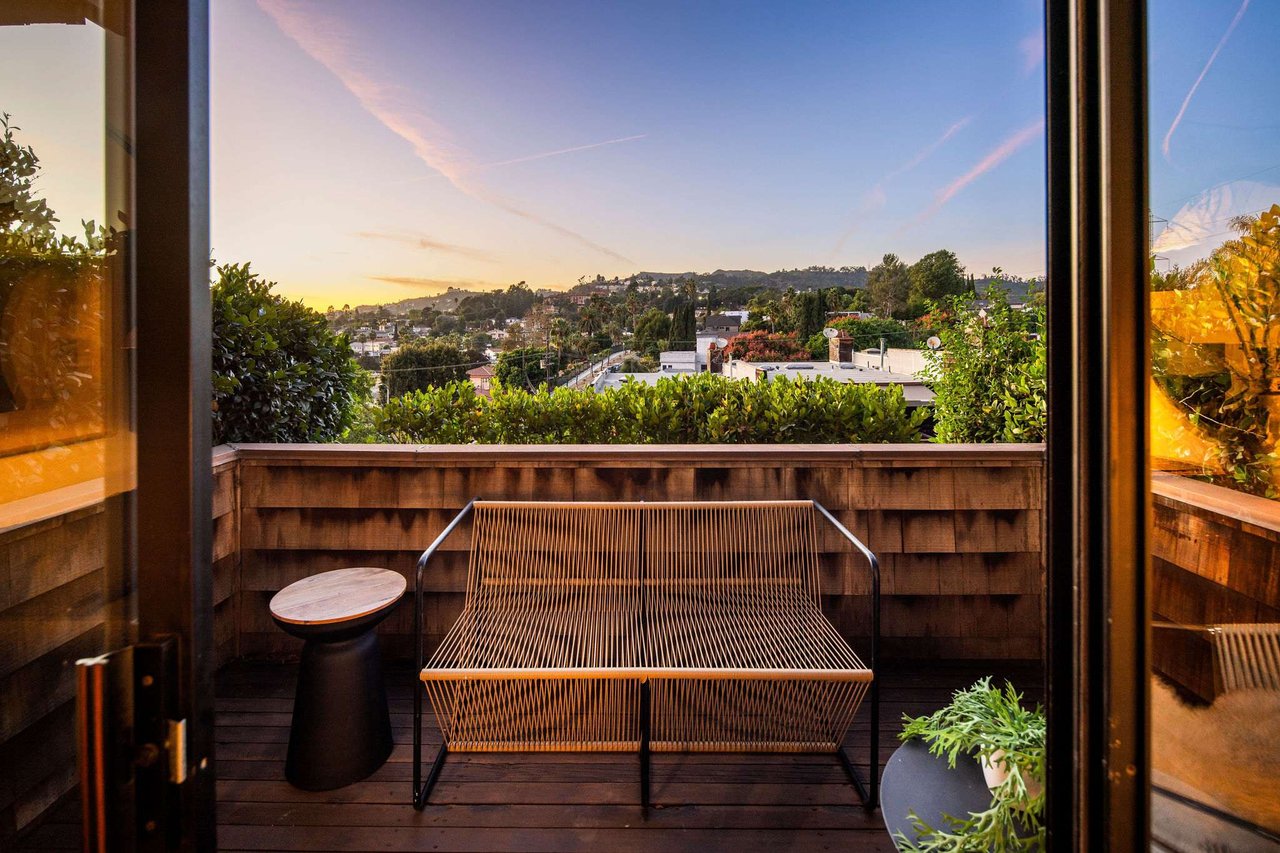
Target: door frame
(173,327)
(1098,502)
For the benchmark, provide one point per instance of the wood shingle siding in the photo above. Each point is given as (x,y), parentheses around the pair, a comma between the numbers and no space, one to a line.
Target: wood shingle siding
(954,525)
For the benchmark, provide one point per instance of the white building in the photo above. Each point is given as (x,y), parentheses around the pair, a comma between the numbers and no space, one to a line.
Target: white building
(679,361)
(915,391)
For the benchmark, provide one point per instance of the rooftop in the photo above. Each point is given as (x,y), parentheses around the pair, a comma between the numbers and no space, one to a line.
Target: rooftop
(915,391)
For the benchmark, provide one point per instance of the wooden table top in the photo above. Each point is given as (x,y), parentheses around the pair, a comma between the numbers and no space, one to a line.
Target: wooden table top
(337,596)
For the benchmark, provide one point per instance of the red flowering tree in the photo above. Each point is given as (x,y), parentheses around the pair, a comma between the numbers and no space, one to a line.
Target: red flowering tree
(766,346)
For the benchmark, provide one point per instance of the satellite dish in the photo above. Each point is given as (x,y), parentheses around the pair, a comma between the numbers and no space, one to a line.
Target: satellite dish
(830,333)
(934,342)
(721,343)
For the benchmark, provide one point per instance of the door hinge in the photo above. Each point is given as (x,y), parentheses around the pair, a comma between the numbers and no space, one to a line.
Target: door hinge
(176,745)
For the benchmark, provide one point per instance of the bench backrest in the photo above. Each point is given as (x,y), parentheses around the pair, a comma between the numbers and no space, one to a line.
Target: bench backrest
(569,555)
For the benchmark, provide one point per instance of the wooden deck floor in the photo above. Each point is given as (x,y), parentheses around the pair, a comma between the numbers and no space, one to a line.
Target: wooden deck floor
(560,802)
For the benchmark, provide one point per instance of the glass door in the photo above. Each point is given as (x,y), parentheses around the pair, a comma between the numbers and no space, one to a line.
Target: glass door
(1214,425)
(67,448)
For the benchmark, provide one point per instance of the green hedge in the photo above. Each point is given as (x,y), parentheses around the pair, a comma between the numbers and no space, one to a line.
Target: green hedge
(702,409)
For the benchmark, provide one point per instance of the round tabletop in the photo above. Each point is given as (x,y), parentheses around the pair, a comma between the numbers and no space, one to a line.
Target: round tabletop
(337,596)
(915,780)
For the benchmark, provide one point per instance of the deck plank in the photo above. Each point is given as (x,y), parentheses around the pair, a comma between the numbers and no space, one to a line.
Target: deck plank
(544,801)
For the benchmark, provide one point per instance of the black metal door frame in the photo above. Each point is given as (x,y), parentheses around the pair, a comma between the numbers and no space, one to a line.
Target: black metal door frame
(174,487)
(1098,506)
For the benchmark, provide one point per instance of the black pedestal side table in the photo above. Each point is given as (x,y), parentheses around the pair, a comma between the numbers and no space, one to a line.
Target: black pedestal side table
(916,781)
(341,730)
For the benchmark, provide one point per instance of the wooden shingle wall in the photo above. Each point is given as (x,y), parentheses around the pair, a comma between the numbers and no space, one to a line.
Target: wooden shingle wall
(1215,559)
(958,529)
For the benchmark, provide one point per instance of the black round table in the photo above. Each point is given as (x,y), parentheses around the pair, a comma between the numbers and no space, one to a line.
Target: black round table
(914,780)
(341,729)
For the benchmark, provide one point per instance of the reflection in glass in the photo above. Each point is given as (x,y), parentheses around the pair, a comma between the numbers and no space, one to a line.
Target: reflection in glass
(1215,426)
(66,439)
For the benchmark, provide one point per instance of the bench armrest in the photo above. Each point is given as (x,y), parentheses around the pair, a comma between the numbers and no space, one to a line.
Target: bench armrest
(422,565)
(874,565)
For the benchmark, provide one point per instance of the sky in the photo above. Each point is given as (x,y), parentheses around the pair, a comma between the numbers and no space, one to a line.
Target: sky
(377,151)
(367,152)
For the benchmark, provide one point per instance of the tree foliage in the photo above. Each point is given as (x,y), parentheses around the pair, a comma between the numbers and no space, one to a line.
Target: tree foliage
(422,364)
(764,346)
(889,287)
(652,331)
(526,367)
(989,379)
(279,373)
(699,409)
(936,277)
(684,332)
(51,287)
(809,313)
(1216,353)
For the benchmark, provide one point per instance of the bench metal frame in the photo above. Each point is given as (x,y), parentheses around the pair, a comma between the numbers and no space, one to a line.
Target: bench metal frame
(644,676)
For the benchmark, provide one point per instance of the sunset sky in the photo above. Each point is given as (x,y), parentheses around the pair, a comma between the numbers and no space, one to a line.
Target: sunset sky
(366,152)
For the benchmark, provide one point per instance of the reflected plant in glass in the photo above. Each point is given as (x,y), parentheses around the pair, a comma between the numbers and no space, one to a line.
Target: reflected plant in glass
(1216,358)
(51,312)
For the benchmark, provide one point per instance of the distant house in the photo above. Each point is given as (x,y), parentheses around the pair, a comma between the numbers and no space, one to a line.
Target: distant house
(723,324)
(482,378)
(914,390)
(678,361)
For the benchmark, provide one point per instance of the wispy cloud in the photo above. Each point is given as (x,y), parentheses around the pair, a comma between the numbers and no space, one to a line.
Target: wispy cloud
(480,167)
(877,196)
(325,39)
(561,151)
(1031,49)
(1182,110)
(428,244)
(435,285)
(995,157)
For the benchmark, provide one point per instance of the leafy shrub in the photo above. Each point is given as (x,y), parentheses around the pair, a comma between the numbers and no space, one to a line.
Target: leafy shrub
(279,372)
(700,409)
(990,379)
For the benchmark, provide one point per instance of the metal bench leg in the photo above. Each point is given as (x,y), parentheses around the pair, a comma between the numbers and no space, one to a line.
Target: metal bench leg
(867,793)
(420,796)
(422,791)
(644,746)
(853,776)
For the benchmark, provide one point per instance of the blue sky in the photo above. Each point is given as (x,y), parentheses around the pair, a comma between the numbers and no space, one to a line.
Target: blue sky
(354,145)
(371,151)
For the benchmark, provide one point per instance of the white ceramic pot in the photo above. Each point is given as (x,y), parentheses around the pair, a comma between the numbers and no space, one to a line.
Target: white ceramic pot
(995,773)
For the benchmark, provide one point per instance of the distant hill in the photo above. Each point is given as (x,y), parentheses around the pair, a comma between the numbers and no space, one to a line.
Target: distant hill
(813,278)
(441,302)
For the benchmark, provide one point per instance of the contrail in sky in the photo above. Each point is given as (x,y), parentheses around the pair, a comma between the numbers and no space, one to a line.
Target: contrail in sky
(876,197)
(997,155)
(1164,146)
(325,40)
(545,154)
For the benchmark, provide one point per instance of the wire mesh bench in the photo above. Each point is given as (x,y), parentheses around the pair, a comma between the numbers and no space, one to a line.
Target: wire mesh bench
(643,627)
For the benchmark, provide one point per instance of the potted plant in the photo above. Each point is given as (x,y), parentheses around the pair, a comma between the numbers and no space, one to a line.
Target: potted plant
(990,726)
